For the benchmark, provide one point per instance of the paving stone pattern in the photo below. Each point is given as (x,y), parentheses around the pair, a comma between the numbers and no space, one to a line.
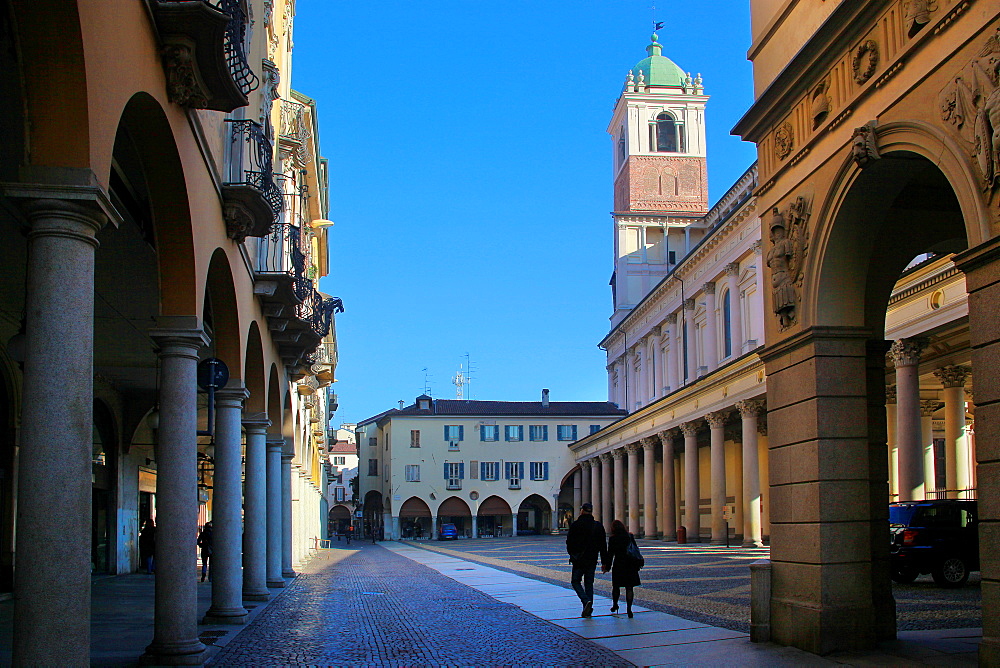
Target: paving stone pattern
(370,607)
(708,583)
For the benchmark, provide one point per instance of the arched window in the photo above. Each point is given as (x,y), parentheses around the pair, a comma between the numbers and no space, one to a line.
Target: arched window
(727,325)
(666,134)
(621,148)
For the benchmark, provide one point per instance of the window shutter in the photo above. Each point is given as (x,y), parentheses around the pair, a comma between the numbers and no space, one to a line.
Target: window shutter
(520,470)
(446,434)
(506,433)
(498,470)
(545,432)
(482,432)
(572,431)
(461,432)
(482,470)
(545,470)
(461,471)
(446,471)
(520,432)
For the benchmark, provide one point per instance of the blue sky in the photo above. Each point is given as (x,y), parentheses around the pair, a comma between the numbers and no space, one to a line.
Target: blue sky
(470,180)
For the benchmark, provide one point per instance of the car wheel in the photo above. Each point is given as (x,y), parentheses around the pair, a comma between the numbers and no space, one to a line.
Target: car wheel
(951,572)
(904,575)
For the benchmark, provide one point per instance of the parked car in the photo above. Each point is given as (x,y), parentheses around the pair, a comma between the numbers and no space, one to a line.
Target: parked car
(448,532)
(936,537)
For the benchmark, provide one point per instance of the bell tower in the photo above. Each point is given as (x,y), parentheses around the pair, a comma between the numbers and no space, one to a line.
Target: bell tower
(660,177)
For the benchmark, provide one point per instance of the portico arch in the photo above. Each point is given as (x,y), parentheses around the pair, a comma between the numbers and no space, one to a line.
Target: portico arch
(494,517)
(455,510)
(415,518)
(534,515)
(826,389)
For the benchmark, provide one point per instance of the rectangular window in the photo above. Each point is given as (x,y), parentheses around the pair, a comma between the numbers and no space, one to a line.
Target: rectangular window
(489,470)
(489,432)
(539,470)
(453,474)
(566,432)
(412,472)
(513,432)
(373,441)
(538,432)
(453,433)
(340,461)
(339,494)
(372,467)
(594,428)
(473,469)
(514,471)
(414,438)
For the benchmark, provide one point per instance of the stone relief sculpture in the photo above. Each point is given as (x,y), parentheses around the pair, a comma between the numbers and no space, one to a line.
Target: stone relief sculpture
(784,140)
(865,61)
(918,14)
(864,147)
(971,103)
(820,104)
(789,241)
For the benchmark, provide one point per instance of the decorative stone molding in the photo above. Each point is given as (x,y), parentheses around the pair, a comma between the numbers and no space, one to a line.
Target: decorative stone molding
(269,93)
(657,330)
(671,319)
(864,145)
(751,407)
(733,269)
(929,406)
(953,375)
(865,61)
(784,140)
(182,81)
(717,419)
(709,288)
(240,220)
(689,304)
(762,424)
(757,247)
(691,428)
(906,352)
(618,453)
(786,258)
(890,394)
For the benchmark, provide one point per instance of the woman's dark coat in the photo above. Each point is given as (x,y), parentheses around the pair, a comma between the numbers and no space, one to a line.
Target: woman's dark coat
(623,570)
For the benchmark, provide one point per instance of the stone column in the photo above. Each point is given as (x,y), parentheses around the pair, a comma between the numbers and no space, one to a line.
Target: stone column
(890,423)
(642,377)
(953,380)
(555,512)
(586,485)
(633,487)
(631,396)
(669,509)
(255,509)
(227,568)
(649,486)
(692,486)
(434,528)
(274,529)
(711,328)
(927,410)
(286,511)
(905,354)
(655,365)
(619,511)
(717,423)
(607,511)
(175,622)
(749,410)
(513,523)
(475,525)
(735,307)
(692,349)
(671,381)
(52,585)
(622,399)
(577,491)
(595,486)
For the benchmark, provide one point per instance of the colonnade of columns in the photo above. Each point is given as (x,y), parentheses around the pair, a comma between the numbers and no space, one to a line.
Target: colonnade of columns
(610,480)
(912,461)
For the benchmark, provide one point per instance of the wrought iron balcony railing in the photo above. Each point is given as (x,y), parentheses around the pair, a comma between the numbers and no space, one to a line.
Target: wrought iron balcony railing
(204,52)
(253,199)
(318,312)
(280,252)
(294,129)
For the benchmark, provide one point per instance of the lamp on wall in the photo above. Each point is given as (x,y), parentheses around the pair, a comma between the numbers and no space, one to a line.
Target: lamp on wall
(320,222)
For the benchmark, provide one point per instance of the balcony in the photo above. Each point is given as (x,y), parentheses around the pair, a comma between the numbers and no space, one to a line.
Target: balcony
(280,265)
(252,198)
(204,52)
(293,130)
(303,331)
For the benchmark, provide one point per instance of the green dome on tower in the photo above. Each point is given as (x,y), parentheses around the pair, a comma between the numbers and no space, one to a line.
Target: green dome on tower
(657,69)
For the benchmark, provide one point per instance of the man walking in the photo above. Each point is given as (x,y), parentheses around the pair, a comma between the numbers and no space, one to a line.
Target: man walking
(585,543)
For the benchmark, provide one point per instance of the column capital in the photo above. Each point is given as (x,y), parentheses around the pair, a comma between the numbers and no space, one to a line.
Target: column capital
(275,442)
(906,352)
(605,457)
(178,336)
(929,406)
(671,319)
(585,464)
(618,453)
(953,375)
(733,269)
(691,428)
(232,395)
(667,435)
(649,443)
(689,304)
(890,394)
(287,457)
(256,423)
(633,447)
(657,330)
(751,407)
(762,424)
(717,419)
(709,288)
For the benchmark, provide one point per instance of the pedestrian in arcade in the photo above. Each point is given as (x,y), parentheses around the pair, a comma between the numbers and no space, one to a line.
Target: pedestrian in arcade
(205,542)
(585,544)
(622,563)
(147,545)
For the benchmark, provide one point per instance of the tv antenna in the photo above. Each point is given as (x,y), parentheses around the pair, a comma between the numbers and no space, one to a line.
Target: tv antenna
(427,382)
(463,379)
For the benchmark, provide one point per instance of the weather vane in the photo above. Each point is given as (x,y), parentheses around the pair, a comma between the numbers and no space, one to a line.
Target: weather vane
(657,25)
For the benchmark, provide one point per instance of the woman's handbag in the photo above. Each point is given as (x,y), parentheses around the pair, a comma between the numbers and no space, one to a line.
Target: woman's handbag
(633,553)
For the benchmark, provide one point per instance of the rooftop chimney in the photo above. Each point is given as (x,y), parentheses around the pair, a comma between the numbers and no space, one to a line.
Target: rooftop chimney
(545,398)
(401,402)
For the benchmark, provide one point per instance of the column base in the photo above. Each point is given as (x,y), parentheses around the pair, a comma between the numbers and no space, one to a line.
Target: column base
(718,541)
(189,653)
(752,543)
(235,616)
(670,537)
(257,595)
(275,584)
(288,573)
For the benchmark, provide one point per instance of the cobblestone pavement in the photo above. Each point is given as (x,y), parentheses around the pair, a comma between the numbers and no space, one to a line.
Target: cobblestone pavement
(370,607)
(708,583)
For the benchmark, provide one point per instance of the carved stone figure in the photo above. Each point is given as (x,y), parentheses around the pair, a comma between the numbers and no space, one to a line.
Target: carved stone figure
(269,93)
(789,238)
(864,148)
(918,14)
(784,140)
(987,133)
(182,82)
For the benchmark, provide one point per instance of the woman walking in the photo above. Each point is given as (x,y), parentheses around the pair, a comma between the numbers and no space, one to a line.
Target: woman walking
(624,569)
